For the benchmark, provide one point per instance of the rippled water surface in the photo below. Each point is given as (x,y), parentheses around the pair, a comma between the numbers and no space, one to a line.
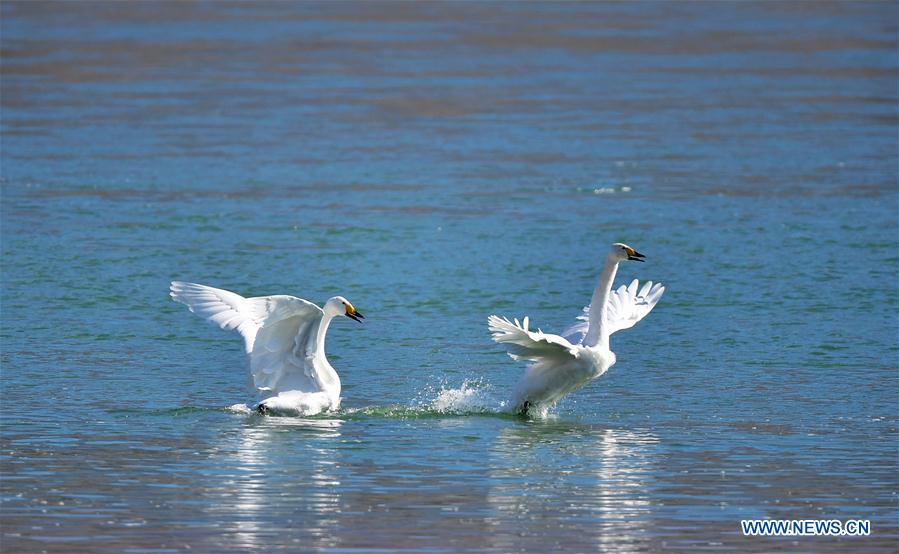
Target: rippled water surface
(436,163)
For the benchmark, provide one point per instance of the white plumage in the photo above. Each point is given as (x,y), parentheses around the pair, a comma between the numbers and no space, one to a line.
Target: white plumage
(624,309)
(562,364)
(284,337)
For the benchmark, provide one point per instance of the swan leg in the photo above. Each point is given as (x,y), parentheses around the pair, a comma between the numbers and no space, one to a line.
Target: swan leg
(523,408)
(262,409)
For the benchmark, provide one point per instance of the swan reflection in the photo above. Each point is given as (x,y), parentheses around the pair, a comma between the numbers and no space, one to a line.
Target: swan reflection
(594,478)
(259,501)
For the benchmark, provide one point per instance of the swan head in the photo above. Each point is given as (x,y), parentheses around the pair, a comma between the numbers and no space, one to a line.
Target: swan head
(339,305)
(622,252)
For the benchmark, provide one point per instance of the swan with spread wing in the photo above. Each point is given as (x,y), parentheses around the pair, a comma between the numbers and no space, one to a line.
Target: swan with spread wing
(562,364)
(284,337)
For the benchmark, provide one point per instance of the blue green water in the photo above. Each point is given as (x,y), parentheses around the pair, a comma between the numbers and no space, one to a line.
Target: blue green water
(437,163)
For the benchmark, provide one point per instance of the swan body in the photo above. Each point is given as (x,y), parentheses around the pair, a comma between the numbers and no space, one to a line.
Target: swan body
(284,338)
(561,364)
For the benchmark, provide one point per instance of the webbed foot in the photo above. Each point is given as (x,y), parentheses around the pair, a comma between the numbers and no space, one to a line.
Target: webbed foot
(523,408)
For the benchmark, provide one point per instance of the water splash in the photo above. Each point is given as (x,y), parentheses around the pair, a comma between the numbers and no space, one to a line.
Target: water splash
(474,396)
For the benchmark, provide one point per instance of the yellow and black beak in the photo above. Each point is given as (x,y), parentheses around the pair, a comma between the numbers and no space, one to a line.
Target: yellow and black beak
(353,314)
(633,255)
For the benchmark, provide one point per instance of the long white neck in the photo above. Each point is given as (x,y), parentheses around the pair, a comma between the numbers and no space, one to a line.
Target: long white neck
(322,331)
(326,376)
(597,334)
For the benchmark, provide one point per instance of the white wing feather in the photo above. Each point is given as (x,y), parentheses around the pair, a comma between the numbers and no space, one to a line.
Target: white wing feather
(626,306)
(524,344)
(284,356)
(279,332)
(221,307)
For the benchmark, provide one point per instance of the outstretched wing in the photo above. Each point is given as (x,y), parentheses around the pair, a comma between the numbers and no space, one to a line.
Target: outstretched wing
(221,307)
(523,344)
(279,332)
(284,354)
(626,306)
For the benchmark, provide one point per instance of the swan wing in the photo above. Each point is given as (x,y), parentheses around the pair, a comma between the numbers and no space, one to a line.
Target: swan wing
(228,310)
(279,333)
(285,353)
(524,344)
(576,333)
(626,306)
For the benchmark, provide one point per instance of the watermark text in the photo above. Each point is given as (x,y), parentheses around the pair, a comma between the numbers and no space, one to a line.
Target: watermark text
(805,528)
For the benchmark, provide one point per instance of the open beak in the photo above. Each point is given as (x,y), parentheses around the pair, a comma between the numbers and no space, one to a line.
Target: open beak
(634,256)
(355,315)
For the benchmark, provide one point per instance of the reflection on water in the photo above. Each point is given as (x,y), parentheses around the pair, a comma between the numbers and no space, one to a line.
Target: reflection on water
(590,473)
(255,491)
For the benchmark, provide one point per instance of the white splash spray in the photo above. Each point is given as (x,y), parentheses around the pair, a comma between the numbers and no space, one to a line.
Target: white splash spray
(472,396)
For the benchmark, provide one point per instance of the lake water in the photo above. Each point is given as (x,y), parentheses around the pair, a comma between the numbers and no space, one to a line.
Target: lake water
(437,163)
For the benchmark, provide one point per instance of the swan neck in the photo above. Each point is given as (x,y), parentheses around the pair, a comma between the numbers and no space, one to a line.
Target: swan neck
(597,334)
(322,331)
(325,375)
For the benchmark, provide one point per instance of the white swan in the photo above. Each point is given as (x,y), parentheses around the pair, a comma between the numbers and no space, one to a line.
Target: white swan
(563,364)
(284,337)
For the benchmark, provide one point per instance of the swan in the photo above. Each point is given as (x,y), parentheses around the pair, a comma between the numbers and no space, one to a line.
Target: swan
(562,364)
(284,338)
